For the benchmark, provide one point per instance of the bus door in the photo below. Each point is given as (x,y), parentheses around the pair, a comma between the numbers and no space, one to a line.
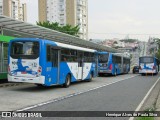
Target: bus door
(80,65)
(53,67)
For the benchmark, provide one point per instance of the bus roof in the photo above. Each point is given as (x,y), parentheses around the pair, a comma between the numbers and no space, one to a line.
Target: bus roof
(5,38)
(56,43)
(117,54)
(122,54)
(103,52)
(74,47)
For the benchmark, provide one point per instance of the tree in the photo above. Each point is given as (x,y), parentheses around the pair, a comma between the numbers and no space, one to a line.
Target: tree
(158,54)
(158,42)
(68,29)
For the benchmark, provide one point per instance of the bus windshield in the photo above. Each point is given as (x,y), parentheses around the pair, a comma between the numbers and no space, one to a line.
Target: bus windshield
(26,50)
(103,58)
(146,60)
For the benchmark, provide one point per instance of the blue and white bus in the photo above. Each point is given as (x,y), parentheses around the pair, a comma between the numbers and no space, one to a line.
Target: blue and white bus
(148,65)
(47,63)
(113,63)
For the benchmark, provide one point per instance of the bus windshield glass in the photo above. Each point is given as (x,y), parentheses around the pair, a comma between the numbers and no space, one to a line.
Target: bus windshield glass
(26,50)
(103,58)
(146,60)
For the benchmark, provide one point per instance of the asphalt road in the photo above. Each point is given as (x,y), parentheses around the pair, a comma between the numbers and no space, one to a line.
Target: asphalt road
(121,96)
(26,95)
(121,93)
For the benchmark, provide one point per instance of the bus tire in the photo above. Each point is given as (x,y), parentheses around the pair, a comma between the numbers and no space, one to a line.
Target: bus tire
(39,85)
(67,81)
(142,74)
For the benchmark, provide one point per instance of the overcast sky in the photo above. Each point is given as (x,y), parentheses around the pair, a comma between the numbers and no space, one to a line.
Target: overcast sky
(116,18)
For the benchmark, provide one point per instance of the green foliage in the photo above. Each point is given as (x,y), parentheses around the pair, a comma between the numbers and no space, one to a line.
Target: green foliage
(131,56)
(158,54)
(68,29)
(158,42)
(145,118)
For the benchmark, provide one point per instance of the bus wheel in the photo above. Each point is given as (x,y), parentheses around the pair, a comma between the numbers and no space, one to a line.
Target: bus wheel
(67,81)
(142,74)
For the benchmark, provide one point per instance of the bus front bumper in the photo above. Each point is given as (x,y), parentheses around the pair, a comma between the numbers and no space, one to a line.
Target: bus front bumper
(36,80)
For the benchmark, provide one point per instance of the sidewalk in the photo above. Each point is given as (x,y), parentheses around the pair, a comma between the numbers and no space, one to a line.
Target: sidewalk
(153,100)
(157,106)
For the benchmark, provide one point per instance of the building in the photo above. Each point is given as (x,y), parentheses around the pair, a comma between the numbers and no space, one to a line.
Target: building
(110,42)
(152,46)
(23,12)
(13,9)
(72,12)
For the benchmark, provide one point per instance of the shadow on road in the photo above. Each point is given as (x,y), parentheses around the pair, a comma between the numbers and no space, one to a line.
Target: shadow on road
(34,88)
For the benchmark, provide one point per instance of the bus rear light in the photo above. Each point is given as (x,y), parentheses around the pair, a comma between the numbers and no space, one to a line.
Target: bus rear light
(39,69)
(110,67)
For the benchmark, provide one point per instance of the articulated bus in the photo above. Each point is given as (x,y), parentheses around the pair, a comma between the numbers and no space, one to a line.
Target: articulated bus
(4,56)
(47,63)
(113,63)
(148,65)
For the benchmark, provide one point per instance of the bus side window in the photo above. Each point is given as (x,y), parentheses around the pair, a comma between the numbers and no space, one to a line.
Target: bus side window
(63,58)
(48,54)
(54,57)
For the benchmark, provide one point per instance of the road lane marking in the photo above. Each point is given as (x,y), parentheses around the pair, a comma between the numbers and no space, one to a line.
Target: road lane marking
(69,95)
(146,96)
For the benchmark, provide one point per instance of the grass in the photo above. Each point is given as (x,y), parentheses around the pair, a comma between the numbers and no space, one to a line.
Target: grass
(147,118)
